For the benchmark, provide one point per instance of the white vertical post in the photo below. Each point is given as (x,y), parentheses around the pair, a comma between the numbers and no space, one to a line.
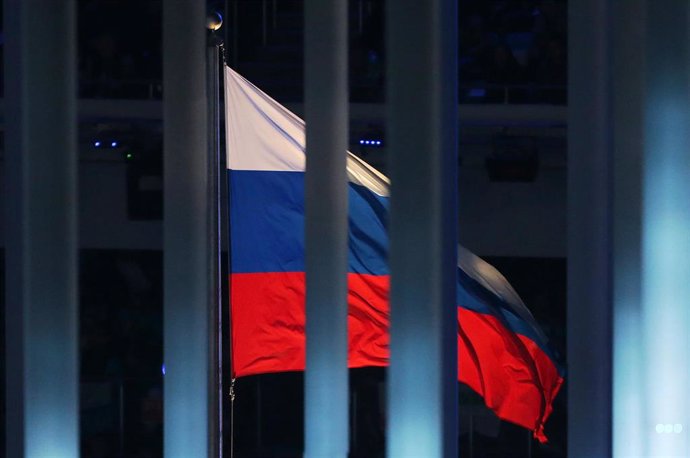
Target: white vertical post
(628,147)
(589,229)
(649,220)
(326,112)
(665,230)
(187,256)
(41,229)
(422,139)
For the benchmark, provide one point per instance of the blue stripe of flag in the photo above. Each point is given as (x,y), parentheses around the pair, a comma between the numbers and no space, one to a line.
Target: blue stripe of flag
(267,215)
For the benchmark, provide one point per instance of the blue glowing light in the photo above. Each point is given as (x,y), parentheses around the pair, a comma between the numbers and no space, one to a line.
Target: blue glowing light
(477,92)
(113,144)
(163,368)
(97,144)
(371,142)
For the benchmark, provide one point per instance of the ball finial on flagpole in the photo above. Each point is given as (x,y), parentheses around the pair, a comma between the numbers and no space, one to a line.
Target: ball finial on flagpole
(214,21)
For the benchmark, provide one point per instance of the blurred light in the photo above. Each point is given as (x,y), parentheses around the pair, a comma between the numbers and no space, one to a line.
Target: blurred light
(97,144)
(113,144)
(129,156)
(163,368)
(669,428)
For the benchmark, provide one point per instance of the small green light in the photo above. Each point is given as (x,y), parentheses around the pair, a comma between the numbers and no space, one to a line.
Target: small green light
(129,156)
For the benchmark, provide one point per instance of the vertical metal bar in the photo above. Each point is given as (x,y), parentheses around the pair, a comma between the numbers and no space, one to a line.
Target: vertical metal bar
(41,229)
(629,416)
(186,230)
(326,378)
(215,368)
(589,229)
(422,138)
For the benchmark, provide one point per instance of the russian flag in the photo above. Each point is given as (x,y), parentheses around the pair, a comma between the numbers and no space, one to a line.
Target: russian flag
(503,355)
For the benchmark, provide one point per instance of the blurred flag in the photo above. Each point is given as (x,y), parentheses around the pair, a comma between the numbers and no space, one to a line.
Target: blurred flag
(502,353)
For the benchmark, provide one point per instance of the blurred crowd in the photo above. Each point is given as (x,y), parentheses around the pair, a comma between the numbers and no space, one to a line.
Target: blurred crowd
(509,50)
(121,353)
(520,45)
(513,42)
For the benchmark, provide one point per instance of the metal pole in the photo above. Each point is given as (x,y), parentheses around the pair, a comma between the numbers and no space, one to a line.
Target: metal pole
(589,228)
(187,257)
(41,229)
(422,137)
(215,368)
(326,378)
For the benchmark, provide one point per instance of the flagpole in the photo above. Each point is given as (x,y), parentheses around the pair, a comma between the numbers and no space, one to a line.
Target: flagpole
(225,229)
(214,21)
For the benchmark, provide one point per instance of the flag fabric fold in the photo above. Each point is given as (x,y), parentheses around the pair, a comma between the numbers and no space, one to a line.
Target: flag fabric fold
(502,353)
